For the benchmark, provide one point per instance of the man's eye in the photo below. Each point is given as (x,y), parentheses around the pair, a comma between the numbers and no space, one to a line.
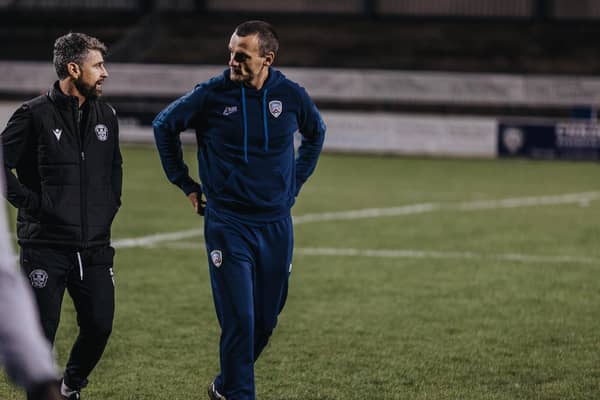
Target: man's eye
(240,57)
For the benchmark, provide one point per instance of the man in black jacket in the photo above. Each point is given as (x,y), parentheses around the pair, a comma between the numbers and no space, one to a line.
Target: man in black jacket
(65,149)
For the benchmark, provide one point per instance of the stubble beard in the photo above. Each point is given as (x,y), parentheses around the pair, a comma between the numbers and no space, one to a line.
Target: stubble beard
(238,76)
(248,78)
(87,91)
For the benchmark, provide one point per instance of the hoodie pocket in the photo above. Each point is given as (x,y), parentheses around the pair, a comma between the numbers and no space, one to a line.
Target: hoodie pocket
(257,189)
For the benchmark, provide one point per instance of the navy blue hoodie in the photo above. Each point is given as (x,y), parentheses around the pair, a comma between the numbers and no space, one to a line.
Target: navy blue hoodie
(245,137)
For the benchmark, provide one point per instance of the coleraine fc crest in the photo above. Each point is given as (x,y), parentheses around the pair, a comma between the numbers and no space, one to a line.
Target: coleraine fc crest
(275,107)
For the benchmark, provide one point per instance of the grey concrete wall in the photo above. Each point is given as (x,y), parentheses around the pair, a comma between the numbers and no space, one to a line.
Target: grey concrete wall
(339,85)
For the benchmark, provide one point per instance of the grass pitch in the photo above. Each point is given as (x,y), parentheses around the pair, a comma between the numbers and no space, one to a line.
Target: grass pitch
(438,291)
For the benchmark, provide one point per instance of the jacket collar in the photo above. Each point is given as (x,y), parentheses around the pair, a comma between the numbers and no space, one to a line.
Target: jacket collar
(61,99)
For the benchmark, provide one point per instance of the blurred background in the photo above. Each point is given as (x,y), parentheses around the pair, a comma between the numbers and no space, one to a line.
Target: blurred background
(467,78)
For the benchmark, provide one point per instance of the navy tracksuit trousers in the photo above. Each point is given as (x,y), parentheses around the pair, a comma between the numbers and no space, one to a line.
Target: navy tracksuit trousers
(249,264)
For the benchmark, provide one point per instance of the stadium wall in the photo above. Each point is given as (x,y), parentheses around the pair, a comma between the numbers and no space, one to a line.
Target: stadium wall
(339,85)
(375,132)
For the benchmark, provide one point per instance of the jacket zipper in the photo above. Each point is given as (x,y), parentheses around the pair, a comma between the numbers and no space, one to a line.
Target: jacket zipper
(82,169)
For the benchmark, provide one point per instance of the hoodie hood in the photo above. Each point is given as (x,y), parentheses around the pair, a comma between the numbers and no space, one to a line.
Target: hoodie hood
(275,77)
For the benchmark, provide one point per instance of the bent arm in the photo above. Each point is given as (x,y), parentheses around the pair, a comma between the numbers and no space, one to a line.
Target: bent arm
(168,126)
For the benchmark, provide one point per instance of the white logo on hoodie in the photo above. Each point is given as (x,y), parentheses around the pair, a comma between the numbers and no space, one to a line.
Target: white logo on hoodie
(230,110)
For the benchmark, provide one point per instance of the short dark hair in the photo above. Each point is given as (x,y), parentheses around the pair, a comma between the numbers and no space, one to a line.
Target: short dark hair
(73,47)
(267,37)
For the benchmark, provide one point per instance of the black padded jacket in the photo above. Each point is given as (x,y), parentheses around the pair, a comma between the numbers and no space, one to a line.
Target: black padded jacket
(69,169)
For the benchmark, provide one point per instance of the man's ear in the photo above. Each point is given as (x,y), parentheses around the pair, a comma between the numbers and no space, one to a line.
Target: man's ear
(73,70)
(269,58)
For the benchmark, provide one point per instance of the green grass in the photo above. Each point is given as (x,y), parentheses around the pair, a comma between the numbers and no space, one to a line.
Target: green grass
(441,326)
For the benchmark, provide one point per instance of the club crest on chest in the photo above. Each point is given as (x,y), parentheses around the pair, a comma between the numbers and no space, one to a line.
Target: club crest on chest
(275,107)
(101,132)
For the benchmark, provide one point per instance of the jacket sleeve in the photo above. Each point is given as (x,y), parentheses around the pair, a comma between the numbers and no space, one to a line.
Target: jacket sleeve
(168,125)
(313,130)
(17,139)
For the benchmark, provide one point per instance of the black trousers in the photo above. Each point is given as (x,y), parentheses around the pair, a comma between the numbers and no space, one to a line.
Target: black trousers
(88,277)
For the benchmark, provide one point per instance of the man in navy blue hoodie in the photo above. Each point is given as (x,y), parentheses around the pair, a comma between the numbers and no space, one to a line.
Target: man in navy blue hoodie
(245,122)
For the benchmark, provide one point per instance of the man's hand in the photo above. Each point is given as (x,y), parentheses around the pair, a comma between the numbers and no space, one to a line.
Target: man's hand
(197,202)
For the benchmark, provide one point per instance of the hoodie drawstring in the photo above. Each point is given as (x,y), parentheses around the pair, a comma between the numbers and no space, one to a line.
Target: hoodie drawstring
(245,122)
(80,265)
(265,127)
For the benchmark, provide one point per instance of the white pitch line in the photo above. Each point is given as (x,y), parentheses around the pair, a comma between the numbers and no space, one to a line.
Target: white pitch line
(572,198)
(367,213)
(409,253)
(151,240)
(582,199)
(577,198)
(382,253)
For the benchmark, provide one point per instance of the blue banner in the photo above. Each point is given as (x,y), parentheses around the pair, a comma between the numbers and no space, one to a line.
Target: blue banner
(565,140)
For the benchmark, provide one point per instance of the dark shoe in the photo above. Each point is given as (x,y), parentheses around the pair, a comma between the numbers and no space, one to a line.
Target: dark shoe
(213,394)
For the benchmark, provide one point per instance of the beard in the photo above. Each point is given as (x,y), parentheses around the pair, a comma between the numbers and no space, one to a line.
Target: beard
(87,91)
